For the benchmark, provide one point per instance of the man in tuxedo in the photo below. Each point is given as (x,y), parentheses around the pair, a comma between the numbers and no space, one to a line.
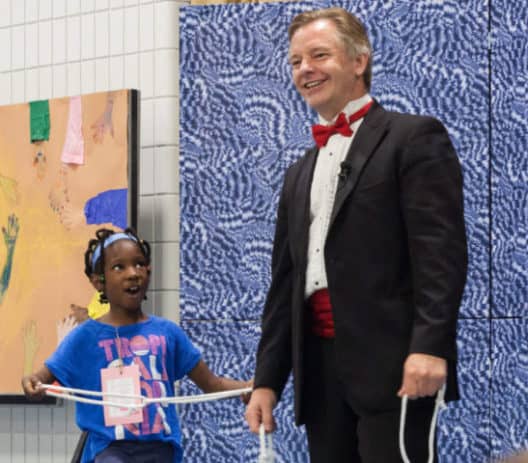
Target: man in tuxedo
(369,261)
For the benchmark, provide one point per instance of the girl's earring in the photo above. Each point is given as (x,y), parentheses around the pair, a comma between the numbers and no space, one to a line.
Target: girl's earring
(101,278)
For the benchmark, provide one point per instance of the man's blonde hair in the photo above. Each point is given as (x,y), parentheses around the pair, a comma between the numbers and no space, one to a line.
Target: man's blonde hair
(350,30)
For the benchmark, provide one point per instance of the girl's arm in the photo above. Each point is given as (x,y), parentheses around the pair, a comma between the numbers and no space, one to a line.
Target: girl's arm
(31,383)
(207,381)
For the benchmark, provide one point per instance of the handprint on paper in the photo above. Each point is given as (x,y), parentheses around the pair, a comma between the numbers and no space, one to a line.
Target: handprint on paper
(31,345)
(59,196)
(64,326)
(104,123)
(71,216)
(80,314)
(9,188)
(40,164)
(10,236)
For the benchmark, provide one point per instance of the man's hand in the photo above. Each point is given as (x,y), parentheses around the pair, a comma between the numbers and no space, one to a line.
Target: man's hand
(260,409)
(423,375)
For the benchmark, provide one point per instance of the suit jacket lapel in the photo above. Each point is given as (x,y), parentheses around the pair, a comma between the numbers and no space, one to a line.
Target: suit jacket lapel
(369,134)
(302,202)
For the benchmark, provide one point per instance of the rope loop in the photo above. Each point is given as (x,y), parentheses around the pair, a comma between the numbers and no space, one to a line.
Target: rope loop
(75,395)
(439,403)
(266,455)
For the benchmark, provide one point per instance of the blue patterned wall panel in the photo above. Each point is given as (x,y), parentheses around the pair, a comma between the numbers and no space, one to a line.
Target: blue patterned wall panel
(509,389)
(242,124)
(464,427)
(215,431)
(509,157)
(431,58)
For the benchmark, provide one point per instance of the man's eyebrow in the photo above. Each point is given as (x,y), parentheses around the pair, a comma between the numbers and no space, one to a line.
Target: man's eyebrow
(314,49)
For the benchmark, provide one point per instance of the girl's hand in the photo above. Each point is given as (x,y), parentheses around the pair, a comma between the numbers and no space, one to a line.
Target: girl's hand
(33,387)
(32,384)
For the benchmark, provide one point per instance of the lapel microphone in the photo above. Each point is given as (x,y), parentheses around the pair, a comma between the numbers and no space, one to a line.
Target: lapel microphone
(346,167)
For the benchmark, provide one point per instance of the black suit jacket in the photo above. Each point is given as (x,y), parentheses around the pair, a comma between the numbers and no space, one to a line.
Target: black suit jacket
(395,257)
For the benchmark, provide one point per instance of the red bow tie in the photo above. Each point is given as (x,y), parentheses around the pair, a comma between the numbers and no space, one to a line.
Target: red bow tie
(321,133)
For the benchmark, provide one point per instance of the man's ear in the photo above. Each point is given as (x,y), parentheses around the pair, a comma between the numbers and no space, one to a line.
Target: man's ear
(360,63)
(97,280)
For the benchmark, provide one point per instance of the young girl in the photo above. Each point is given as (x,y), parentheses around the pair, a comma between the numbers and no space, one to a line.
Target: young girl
(153,351)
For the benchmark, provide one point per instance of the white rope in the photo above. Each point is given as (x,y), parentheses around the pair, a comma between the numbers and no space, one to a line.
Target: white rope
(266,455)
(68,393)
(439,403)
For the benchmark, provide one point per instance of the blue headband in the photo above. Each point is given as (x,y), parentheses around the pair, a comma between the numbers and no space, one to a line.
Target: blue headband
(111,239)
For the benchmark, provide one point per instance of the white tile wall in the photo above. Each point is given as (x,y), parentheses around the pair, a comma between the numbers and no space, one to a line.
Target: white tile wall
(45,82)
(116,32)
(17,12)
(5,84)
(73,37)
(18,51)
(58,81)
(117,72)
(166,223)
(102,33)
(32,84)
(18,86)
(31,44)
(88,36)
(102,74)
(5,49)
(45,9)
(166,163)
(166,113)
(146,27)
(88,76)
(73,76)
(166,18)
(58,52)
(5,14)
(131,71)
(54,48)
(31,10)
(166,76)
(131,30)
(45,37)
(59,7)
(73,7)
(146,74)
(146,183)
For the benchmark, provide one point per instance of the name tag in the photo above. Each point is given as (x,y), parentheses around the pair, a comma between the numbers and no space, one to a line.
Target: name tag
(122,380)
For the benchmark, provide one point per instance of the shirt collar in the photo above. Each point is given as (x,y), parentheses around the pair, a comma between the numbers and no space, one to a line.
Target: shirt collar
(351,107)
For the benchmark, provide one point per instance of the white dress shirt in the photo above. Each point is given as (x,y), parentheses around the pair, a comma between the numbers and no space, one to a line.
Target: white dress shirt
(322,195)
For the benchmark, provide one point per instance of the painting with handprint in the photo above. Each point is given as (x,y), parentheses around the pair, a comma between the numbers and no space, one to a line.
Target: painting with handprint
(67,167)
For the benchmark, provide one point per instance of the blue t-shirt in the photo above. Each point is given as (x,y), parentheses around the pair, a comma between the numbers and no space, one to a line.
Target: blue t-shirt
(163,353)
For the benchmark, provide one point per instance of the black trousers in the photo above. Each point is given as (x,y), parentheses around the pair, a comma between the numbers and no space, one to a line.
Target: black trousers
(339,434)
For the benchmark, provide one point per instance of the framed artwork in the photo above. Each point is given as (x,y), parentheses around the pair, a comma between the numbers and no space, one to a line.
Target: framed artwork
(68,166)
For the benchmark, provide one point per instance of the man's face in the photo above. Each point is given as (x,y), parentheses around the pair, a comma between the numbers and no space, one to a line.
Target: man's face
(323,73)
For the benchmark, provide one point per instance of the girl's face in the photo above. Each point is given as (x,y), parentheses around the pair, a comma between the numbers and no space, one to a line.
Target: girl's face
(127,275)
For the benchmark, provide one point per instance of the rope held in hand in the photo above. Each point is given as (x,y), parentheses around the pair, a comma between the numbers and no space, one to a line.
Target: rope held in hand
(439,403)
(266,454)
(69,393)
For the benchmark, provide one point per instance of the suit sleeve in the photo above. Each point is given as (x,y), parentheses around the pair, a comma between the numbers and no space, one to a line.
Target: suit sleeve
(274,354)
(432,203)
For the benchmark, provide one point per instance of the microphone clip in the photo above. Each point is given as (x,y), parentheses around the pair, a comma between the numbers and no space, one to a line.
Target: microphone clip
(345,171)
